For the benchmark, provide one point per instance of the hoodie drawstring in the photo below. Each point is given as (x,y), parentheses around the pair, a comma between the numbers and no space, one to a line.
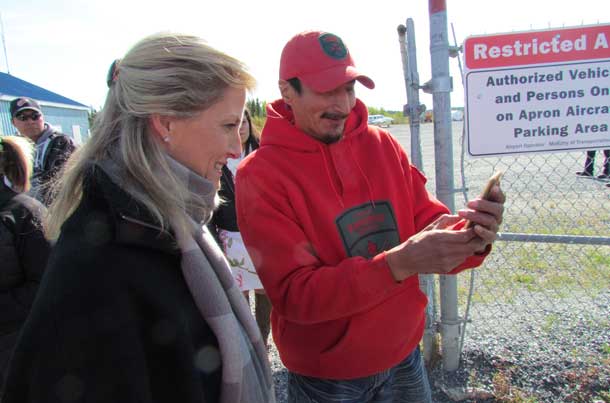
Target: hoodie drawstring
(366,180)
(330,179)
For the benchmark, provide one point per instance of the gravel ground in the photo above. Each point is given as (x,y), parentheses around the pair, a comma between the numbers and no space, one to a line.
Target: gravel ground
(566,361)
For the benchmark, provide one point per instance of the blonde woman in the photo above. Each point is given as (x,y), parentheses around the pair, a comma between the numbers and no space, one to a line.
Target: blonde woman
(23,248)
(138,303)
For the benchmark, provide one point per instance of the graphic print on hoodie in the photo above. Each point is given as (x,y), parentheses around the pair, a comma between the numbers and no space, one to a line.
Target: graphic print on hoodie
(368,229)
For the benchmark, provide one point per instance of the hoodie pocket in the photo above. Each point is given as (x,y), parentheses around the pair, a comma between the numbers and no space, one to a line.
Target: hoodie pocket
(381,337)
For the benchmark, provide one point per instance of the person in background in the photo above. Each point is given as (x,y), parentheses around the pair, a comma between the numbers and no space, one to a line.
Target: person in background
(339,225)
(224,224)
(590,165)
(138,303)
(23,247)
(52,147)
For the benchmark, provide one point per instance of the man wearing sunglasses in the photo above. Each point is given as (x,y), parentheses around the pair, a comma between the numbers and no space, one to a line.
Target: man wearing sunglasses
(52,147)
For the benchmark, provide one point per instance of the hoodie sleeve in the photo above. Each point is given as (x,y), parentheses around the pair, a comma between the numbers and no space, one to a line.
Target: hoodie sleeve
(301,288)
(428,208)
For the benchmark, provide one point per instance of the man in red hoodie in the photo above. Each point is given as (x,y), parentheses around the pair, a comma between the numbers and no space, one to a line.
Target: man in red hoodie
(339,224)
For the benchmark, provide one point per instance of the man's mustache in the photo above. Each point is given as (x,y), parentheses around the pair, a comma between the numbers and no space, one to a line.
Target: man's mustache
(334,116)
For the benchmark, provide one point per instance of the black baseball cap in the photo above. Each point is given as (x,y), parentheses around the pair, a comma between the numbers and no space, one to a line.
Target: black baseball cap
(22,104)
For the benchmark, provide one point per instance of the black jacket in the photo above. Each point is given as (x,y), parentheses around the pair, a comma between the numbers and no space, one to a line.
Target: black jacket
(54,148)
(225,216)
(23,257)
(114,320)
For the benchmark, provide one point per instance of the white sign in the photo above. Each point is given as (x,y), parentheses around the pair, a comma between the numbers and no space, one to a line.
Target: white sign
(239,260)
(538,91)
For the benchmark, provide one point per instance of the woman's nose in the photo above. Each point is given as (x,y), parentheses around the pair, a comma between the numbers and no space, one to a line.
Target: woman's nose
(235,145)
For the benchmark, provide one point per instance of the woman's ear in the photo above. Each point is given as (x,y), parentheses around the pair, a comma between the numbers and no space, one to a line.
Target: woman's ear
(161,126)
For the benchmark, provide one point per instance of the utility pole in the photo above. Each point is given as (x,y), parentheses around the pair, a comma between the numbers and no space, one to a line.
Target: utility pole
(8,70)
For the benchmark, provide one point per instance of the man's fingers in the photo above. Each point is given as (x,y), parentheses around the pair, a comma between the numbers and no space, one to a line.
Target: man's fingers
(482,219)
(477,206)
(488,236)
(447,220)
(487,206)
(451,237)
(442,222)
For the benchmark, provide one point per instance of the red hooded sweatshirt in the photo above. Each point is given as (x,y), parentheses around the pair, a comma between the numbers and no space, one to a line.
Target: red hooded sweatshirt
(316,219)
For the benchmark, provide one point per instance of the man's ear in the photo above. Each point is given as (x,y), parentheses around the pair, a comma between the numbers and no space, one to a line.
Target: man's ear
(286,91)
(160,125)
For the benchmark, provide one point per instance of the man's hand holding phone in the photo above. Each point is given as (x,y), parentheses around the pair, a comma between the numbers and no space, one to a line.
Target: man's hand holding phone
(484,214)
(439,249)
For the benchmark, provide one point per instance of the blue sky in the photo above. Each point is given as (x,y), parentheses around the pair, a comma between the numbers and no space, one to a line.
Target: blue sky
(67,46)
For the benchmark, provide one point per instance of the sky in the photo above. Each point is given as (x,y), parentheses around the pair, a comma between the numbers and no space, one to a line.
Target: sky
(67,46)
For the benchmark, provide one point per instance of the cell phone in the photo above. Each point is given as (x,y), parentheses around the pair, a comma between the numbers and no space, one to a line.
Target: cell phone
(493,180)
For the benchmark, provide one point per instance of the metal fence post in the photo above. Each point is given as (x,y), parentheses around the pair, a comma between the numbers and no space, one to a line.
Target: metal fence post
(441,86)
(413,110)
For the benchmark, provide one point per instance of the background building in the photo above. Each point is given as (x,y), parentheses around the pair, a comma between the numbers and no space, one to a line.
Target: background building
(66,115)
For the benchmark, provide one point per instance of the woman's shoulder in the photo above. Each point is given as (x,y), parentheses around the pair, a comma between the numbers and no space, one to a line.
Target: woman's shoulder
(91,264)
(93,235)
(107,233)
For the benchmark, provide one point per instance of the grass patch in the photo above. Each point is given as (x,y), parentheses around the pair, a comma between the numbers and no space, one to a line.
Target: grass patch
(549,322)
(574,216)
(524,278)
(558,270)
(505,392)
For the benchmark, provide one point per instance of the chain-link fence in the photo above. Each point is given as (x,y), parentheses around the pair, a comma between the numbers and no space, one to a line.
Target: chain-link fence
(537,312)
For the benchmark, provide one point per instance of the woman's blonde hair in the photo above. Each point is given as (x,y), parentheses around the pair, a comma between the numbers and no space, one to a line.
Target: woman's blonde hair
(167,74)
(16,155)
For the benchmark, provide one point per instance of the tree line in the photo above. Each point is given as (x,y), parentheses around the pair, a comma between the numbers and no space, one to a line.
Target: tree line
(258,111)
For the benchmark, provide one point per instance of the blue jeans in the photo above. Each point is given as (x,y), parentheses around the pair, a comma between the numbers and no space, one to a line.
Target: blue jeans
(407,382)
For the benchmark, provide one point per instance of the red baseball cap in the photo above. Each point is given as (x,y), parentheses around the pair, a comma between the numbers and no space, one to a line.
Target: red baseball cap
(321,61)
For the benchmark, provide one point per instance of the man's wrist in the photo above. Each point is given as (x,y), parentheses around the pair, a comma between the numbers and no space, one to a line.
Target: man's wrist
(398,273)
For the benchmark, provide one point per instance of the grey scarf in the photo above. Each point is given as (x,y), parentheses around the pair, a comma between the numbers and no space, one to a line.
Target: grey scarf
(246,376)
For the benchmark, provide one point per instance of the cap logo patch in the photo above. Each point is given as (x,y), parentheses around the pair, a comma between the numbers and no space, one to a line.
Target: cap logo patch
(22,102)
(333,46)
